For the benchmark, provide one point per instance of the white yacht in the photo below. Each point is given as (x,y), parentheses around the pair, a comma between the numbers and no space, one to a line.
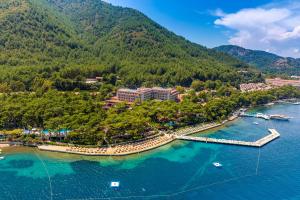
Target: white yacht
(280,117)
(255,123)
(217,164)
(263,116)
(2,157)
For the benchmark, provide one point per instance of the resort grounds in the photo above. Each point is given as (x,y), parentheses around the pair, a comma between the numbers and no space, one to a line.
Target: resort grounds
(131,148)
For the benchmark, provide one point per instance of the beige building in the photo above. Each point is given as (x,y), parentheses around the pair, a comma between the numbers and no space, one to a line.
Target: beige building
(143,94)
(128,95)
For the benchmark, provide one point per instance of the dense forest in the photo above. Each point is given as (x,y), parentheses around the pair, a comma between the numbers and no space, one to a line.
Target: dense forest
(83,113)
(49,48)
(66,41)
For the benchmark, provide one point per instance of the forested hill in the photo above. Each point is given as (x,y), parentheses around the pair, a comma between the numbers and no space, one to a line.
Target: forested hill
(66,41)
(265,61)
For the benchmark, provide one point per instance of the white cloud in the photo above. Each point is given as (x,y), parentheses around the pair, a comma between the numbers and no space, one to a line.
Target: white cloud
(274,27)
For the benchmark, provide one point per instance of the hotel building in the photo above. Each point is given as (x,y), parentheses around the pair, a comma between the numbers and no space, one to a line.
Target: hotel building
(143,94)
(128,95)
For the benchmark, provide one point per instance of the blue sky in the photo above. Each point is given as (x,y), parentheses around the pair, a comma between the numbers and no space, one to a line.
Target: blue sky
(272,26)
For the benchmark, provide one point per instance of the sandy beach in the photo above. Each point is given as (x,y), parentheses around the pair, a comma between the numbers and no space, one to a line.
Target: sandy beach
(118,150)
(131,148)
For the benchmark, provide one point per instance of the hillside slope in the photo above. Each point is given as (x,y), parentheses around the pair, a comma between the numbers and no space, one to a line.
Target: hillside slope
(73,39)
(265,61)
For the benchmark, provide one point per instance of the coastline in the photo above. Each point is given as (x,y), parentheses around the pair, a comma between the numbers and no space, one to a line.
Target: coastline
(107,151)
(134,148)
(139,147)
(166,164)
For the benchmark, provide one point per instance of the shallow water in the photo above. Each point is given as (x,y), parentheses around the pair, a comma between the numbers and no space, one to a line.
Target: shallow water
(181,170)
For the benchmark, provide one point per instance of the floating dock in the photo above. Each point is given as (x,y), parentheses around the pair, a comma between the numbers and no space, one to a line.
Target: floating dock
(259,143)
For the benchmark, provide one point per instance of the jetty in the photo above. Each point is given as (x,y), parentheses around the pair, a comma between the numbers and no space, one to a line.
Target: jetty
(257,115)
(259,143)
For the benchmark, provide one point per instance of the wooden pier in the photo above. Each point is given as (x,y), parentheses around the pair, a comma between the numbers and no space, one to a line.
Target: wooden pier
(259,143)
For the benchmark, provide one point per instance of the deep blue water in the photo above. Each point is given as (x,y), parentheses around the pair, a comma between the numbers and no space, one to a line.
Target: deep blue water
(181,170)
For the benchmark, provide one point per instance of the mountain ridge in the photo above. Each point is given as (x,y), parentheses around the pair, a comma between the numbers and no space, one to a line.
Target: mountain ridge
(267,62)
(74,39)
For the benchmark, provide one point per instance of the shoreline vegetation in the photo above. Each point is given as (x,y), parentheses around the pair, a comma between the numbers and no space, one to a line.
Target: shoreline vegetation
(131,148)
(123,130)
(128,148)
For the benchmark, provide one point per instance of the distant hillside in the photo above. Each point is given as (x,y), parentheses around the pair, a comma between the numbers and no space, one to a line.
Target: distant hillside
(264,61)
(67,40)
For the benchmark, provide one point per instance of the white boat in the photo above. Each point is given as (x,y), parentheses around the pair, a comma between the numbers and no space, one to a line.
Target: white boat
(256,123)
(263,116)
(297,103)
(2,157)
(217,164)
(114,184)
(280,117)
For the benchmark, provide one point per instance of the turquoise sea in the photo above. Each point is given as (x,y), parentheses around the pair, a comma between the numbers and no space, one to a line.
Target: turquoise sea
(181,170)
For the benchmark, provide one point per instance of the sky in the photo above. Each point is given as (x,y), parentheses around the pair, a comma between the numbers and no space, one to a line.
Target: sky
(268,25)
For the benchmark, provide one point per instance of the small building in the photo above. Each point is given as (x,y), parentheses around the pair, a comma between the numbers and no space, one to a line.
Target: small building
(295,77)
(33,131)
(113,101)
(99,78)
(91,80)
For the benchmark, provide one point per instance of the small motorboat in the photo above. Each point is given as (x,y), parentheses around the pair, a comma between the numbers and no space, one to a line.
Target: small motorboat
(115,184)
(296,103)
(2,157)
(217,164)
(255,123)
